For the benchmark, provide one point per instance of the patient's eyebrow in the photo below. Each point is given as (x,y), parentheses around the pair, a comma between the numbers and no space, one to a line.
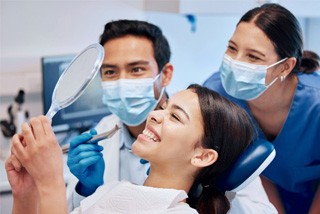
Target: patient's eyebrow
(174,106)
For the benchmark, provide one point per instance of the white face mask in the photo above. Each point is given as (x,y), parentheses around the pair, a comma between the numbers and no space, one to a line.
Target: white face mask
(130,99)
(242,80)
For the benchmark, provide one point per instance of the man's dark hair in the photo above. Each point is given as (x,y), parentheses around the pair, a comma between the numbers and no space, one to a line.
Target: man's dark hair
(121,28)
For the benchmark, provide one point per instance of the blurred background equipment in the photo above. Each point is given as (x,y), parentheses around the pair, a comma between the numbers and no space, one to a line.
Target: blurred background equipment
(17,116)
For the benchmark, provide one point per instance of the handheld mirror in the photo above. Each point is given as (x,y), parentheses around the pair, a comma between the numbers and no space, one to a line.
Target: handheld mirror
(75,79)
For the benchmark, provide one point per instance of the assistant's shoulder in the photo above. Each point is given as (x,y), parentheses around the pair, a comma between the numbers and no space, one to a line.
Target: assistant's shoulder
(213,81)
(310,80)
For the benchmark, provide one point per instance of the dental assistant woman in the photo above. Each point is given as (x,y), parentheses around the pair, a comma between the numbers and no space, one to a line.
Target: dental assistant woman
(259,72)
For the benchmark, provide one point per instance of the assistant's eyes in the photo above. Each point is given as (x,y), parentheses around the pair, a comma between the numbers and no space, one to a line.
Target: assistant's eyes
(231,48)
(253,58)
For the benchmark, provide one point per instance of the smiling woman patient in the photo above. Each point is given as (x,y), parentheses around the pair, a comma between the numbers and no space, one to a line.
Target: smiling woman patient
(191,140)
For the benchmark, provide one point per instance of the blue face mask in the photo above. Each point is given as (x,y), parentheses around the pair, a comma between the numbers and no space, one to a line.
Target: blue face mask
(130,99)
(242,80)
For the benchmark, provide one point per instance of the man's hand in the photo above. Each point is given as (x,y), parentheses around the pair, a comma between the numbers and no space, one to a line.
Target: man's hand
(86,162)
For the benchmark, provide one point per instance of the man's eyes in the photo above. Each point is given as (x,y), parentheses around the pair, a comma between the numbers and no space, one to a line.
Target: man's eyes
(108,72)
(137,70)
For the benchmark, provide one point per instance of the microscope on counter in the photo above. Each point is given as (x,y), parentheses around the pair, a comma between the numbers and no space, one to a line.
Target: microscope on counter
(17,116)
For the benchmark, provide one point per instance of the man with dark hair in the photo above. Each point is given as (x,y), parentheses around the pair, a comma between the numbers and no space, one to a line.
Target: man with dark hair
(134,74)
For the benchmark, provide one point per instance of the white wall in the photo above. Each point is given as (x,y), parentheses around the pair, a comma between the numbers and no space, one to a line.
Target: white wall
(31,29)
(195,55)
(312,41)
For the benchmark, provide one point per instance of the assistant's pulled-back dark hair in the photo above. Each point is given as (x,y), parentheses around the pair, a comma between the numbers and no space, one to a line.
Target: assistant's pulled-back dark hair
(121,28)
(281,27)
(227,129)
(310,62)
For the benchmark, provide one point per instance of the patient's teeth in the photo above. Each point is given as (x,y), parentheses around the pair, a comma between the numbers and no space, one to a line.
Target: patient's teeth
(149,134)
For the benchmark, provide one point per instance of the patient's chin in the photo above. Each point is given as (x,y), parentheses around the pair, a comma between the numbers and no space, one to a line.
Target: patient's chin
(142,149)
(136,148)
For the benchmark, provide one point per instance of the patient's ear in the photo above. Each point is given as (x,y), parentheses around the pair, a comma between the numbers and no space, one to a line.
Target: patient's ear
(204,157)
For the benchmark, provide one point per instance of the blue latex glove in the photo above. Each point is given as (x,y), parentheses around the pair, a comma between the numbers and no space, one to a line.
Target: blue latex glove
(86,162)
(143,161)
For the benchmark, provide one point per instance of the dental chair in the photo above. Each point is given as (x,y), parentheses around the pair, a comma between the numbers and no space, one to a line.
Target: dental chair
(247,167)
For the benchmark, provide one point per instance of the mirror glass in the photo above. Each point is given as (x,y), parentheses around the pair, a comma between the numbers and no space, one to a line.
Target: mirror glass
(75,79)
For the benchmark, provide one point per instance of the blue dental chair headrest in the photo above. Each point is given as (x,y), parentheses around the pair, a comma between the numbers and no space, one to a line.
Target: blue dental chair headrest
(247,167)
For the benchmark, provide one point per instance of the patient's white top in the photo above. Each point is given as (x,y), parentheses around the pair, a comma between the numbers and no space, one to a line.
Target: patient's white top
(125,197)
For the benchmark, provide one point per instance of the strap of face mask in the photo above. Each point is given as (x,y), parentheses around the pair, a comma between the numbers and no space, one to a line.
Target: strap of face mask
(273,81)
(276,63)
(159,76)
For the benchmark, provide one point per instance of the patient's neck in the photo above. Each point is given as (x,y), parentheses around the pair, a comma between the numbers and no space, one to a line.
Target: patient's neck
(170,179)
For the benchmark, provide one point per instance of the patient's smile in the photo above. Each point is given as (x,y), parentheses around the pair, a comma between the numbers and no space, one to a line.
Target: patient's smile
(150,135)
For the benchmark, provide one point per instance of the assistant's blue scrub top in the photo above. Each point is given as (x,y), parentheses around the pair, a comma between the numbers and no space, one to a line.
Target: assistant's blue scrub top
(296,167)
